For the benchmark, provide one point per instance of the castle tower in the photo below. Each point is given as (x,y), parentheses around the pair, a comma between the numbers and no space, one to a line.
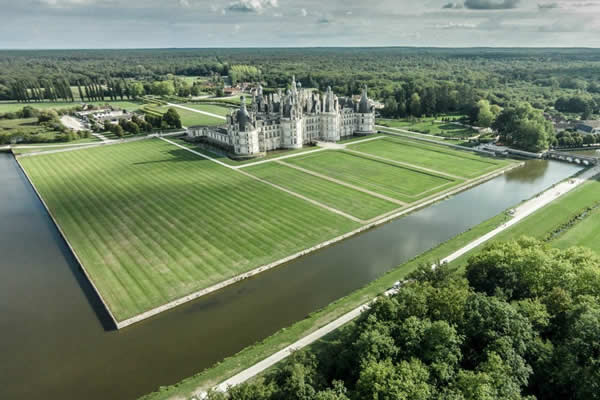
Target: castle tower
(365,118)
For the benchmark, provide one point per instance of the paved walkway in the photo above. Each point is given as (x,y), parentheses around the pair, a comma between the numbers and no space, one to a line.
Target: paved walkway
(73,123)
(521,212)
(197,111)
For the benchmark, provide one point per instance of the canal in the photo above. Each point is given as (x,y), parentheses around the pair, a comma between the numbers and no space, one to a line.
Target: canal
(57,342)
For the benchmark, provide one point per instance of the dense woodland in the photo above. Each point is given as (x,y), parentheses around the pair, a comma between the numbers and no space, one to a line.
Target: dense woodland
(523,324)
(411,82)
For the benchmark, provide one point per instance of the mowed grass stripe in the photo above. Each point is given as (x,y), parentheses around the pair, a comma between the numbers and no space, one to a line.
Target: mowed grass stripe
(152,223)
(435,157)
(388,179)
(353,202)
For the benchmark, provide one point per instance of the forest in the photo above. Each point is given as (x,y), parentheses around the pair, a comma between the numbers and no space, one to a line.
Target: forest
(522,323)
(480,83)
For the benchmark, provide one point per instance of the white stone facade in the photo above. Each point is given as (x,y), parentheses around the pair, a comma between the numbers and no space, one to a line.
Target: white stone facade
(289,121)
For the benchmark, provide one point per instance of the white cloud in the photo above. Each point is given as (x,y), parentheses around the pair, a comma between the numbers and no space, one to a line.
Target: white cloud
(252,6)
(303,12)
(184,3)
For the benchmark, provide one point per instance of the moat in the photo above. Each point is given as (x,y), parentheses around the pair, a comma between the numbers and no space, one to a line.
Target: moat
(58,342)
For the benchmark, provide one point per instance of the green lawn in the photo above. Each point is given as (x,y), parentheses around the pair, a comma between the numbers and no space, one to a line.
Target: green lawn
(211,108)
(430,126)
(353,202)
(388,179)
(23,124)
(439,158)
(152,222)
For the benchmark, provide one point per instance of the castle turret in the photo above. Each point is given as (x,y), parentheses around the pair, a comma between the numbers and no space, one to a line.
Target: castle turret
(243,117)
(363,106)
(365,119)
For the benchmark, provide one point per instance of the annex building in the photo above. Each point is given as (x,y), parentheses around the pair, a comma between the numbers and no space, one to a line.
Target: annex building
(289,121)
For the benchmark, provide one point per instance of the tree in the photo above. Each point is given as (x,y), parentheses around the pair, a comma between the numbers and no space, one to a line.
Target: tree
(524,127)
(385,381)
(486,114)
(117,130)
(136,90)
(415,104)
(172,118)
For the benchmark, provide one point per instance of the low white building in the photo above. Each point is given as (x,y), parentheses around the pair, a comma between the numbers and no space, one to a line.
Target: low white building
(588,127)
(289,121)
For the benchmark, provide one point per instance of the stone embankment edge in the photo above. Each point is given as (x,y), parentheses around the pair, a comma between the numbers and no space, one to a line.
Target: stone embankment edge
(172,304)
(89,278)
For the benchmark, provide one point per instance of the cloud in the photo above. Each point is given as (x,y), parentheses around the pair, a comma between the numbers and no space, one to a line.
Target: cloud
(303,12)
(548,6)
(491,4)
(452,5)
(184,3)
(252,6)
(64,3)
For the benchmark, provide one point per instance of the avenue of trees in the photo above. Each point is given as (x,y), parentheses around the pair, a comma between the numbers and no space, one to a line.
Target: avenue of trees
(522,323)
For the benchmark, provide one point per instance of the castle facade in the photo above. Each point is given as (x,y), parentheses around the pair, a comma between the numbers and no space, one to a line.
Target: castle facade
(289,121)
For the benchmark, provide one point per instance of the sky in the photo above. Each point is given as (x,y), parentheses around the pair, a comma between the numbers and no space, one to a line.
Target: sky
(43,24)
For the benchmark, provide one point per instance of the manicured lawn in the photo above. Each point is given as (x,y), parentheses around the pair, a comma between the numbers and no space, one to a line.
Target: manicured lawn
(23,124)
(439,158)
(391,180)
(152,222)
(358,138)
(430,126)
(586,233)
(353,202)
(211,108)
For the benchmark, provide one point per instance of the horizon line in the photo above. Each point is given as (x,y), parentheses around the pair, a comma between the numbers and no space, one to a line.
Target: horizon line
(299,47)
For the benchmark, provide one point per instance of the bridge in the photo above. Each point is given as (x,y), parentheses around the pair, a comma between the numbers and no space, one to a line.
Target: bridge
(572,158)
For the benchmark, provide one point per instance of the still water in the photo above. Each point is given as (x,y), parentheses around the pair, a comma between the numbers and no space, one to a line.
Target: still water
(56,341)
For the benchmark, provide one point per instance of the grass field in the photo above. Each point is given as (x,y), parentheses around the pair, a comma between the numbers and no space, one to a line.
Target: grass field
(391,180)
(353,202)
(23,124)
(443,159)
(157,222)
(211,108)
(430,126)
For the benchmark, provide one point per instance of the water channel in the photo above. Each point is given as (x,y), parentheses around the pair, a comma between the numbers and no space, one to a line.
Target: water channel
(56,341)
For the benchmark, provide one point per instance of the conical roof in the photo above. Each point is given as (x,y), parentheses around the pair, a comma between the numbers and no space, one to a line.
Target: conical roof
(363,106)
